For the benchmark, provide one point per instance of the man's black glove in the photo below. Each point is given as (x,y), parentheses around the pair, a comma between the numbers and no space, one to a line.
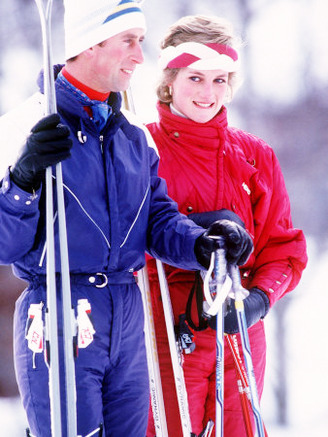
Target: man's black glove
(47,145)
(238,243)
(206,218)
(256,306)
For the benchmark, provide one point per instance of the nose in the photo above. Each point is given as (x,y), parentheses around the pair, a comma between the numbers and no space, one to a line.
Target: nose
(138,56)
(207,89)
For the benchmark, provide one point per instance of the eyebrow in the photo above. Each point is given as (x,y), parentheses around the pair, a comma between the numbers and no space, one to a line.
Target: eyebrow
(199,73)
(133,35)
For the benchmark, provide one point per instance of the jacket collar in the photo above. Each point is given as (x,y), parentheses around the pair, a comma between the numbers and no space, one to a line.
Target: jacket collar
(114,100)
(210,135)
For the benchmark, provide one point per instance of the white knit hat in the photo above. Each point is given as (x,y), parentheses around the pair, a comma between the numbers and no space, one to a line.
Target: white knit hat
(90,22)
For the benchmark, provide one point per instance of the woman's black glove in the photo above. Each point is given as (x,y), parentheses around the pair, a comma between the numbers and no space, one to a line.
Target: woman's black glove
(256,307)
(238,243)
(47,145)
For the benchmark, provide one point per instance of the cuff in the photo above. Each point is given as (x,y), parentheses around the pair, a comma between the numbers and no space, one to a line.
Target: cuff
(17,197)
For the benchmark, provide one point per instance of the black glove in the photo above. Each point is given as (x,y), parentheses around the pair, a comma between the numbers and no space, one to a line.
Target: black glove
(256,306)
(238,243)
(48,144)
(205,219)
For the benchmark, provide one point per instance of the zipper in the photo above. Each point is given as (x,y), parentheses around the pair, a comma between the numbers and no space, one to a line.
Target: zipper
(101,139)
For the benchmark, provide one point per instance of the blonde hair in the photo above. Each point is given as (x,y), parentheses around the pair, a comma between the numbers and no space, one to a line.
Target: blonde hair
(202,29)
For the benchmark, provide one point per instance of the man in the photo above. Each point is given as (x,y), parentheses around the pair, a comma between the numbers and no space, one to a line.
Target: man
(116,208)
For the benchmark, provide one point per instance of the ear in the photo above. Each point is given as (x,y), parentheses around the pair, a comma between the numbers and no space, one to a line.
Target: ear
(90,53)
(228,96)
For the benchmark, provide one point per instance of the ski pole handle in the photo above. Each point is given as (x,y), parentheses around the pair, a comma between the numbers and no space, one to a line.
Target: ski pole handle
(219,286)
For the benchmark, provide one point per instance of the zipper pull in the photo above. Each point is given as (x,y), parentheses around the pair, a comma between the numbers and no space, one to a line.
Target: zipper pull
(101,138)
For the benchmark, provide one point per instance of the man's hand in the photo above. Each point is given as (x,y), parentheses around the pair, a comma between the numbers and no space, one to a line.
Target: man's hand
(47,145)
(238,243)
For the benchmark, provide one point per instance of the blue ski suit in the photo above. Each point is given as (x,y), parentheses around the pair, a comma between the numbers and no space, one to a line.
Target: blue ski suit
(116,209)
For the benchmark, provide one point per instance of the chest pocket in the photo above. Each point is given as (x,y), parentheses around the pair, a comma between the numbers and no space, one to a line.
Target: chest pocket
(240,176)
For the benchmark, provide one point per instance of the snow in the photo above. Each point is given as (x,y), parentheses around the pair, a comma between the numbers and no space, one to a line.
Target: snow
(307,355)
(12,418)
(307,363)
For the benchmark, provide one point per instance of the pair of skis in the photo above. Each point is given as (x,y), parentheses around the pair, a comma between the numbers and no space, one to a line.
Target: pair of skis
(51,320)
(156,392)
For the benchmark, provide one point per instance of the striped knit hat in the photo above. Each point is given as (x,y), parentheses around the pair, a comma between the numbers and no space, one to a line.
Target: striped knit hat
(200,56)
(90,22)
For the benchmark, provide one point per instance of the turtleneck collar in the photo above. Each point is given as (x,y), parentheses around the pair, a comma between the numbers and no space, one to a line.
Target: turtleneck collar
(91,93)
(209,135)
(176,112)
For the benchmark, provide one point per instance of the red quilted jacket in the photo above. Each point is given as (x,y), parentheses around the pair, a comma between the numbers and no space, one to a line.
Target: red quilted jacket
(212,166)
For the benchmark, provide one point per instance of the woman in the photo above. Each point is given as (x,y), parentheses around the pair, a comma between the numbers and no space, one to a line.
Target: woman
(210,166)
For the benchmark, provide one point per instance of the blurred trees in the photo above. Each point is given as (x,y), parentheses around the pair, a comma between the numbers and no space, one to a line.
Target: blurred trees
(10,289)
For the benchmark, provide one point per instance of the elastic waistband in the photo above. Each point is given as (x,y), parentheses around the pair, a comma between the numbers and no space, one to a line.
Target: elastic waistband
(98,280)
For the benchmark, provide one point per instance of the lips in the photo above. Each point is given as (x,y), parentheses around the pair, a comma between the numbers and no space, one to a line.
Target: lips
(127,71)
(203,105)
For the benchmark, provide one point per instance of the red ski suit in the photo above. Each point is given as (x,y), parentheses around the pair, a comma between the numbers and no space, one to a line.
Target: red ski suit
(208,167)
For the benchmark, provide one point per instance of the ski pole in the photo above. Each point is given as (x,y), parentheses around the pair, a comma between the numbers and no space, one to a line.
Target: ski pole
(242,382)
(219,287)
(155,384)
(45,9)
(240,294)
(220,269)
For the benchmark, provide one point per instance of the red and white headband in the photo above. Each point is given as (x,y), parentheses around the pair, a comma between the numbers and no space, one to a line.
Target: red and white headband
(199,56)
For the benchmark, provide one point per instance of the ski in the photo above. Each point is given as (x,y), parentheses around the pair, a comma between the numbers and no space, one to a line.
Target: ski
(175,352)
(155,384)
(45,9)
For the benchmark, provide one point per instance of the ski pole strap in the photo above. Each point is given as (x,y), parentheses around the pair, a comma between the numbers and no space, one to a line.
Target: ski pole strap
(197,291)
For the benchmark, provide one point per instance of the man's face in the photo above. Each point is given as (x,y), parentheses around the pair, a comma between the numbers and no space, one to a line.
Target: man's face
(114,60)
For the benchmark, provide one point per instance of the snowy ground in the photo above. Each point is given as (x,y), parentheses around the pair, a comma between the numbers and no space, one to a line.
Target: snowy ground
(308,356)
(307,364)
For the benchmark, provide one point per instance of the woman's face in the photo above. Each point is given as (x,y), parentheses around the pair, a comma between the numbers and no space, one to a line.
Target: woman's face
(199,95)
